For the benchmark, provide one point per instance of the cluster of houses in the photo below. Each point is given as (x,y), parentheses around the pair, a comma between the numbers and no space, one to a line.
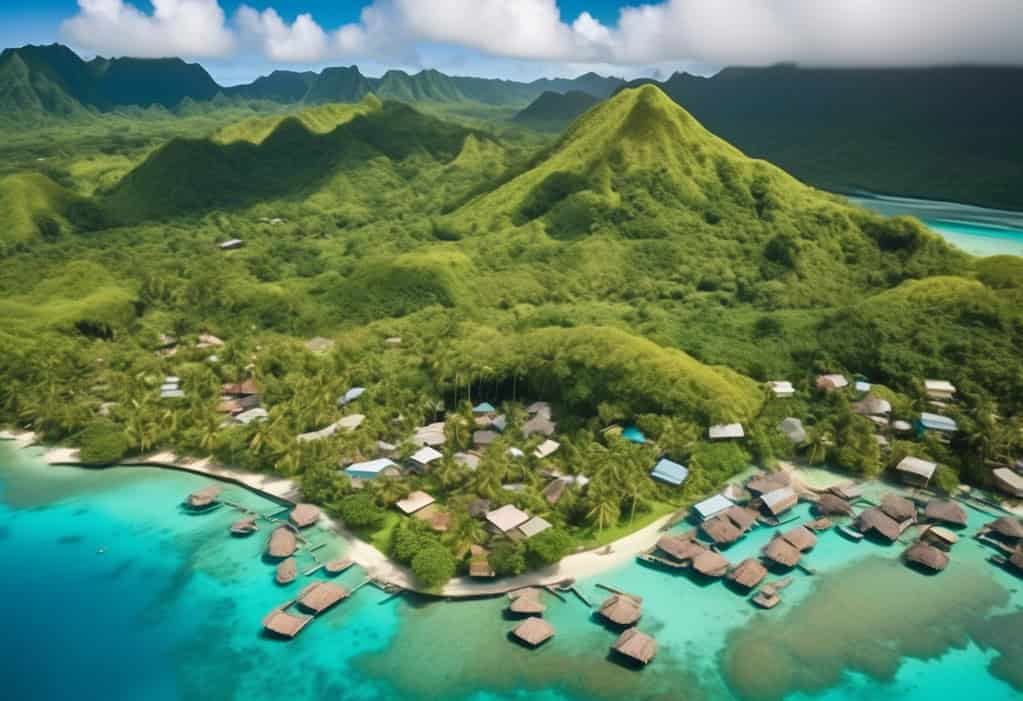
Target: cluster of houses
(240,402)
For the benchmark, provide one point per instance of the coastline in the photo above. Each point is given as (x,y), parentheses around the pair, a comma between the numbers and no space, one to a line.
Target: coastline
(580,565)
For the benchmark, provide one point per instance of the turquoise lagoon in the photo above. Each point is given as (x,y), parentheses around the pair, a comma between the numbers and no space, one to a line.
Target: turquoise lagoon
(976,230)
(113,592)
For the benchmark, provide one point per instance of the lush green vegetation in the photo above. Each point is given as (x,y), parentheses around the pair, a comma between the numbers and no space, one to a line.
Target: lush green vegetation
(554,111)
(637,271)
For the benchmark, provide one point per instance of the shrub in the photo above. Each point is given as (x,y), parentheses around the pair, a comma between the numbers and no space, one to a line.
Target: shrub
(549,547)
(103,443)
(946,479)
(360,511)
(433,565)
(507,560)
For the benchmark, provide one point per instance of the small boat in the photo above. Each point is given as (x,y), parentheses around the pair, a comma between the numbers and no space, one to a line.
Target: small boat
(850,533)
(287,571)
(335,567)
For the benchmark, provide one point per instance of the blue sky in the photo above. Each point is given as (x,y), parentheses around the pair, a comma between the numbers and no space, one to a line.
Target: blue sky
(525,39)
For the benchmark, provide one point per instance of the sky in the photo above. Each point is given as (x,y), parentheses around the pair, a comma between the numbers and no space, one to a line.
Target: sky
(238,40)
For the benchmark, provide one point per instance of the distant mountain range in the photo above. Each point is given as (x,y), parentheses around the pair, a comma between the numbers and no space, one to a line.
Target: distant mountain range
(553,111)
(39,81)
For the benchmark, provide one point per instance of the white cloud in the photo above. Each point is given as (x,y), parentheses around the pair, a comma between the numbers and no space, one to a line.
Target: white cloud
(192,28)
(303,41)
(716,32)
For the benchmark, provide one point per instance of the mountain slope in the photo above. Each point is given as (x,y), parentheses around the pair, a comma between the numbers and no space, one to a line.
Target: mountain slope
(554,111)
(429,85)
(290,160)
(279,86)
(906,131)
(637,172)
(339,85)
(318,120)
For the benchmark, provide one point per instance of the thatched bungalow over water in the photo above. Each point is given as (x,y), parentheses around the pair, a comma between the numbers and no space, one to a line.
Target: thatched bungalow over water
(831,505)
(679,548)
(621,610)
(304,515)
(899,508)
(916,472)
(1009,482)
(783,553)
(711,507)
(711,564)
(801,538)
(283,543)
(768,482)
(721,530)
(526,602)
(780,500)
(533,631)
(245,526)
(743,518)
(877,522)
(636,646)
(926,556)
(204,498)
(748,573)
(939,537)
(320,596)
(287,571)
(1006,528)
(285,624)
(945,511)
(336,567)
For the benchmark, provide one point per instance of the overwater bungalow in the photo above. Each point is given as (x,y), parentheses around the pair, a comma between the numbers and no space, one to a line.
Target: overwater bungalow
(636,646)
(304,515)
(416,501)
(526,602)
(284,624)
(287,571)
(1008,482)
(779,501)
(747,574)
(709,508)
(533,631)
(721,530)
(926,556)
(507,518)
(336,567)
(680,548)
(711,564)
(939,537)
(945,511)
(831,505)
(743,518)
(621,609)
(782,553)
(245,526)
(283,543)
(801,538)
(877,522)
(317,597)
(915,472)
(849,492)
(768,482)
(1006,528)
(204,498)
(898,508)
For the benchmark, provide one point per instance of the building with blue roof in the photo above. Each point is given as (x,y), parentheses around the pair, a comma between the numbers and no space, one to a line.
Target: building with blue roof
(484,408)
(381,467)
(669,472)
(936,422)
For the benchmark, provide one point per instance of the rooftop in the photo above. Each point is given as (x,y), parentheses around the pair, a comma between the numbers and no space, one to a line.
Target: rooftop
(712,506)
(546,449)
(533,631)
(414,502)
(937,422)
(372,466)
(426,455)
(507,518)
(304,515)
(636,645)
(670,472)
(534,526)
(726,432)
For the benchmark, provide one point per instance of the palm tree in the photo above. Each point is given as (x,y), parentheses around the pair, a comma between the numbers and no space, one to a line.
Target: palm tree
(605,511)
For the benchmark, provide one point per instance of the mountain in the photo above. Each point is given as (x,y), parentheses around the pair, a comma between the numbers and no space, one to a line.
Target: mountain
(279,86)
(290,160)
(429,86)
(338,85)
(554,111)
(639,168)
(906,131)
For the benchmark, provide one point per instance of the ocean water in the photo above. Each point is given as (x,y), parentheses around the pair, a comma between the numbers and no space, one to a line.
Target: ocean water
(114,592)
(976,230)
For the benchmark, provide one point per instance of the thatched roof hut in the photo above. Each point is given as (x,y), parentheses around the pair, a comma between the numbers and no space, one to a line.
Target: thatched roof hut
(782,552)
(1007,527)
(533,631)
(621,609)
(711,564)
(721,530)
(635,645)
(335,567)
(768,482)
(286,571)
(940,537)
(850,492)
(742,517)
(320,596)
(283,543)
(945,511)
(204,497)
(831,505)
(304,515)
(526,602)
(748,573)
(285,624)
(245,526)
(679,547)
(780,500)
(899,508)
(416,501)
(801,538)
(926,556)
(878,522)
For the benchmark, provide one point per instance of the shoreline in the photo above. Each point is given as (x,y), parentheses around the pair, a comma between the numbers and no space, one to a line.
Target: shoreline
(580,565)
